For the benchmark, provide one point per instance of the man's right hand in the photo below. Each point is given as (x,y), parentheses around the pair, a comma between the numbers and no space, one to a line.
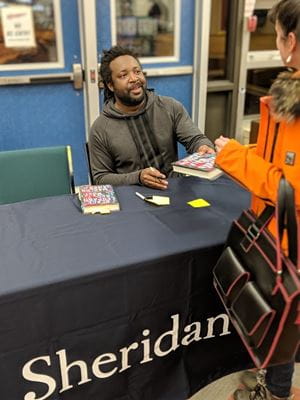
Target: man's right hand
(153,178)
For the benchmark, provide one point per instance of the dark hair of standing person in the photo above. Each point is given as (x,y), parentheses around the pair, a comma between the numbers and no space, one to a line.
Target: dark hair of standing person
(287,14)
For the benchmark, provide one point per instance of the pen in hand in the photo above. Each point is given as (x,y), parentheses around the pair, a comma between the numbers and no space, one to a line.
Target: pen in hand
(153,178)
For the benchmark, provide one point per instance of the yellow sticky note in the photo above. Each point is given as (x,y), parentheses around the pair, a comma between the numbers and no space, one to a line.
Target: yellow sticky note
(159,200)
(197,203)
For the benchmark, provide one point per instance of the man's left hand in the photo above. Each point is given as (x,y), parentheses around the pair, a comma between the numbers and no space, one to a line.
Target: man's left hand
(205,149)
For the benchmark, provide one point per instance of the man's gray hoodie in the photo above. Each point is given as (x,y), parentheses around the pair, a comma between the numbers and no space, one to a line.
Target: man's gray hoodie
(121,145)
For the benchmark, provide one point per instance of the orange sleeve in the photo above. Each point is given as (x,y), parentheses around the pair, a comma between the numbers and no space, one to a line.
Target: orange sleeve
(242,163)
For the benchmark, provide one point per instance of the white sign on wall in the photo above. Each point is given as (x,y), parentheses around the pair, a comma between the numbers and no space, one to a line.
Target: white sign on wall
(18,27)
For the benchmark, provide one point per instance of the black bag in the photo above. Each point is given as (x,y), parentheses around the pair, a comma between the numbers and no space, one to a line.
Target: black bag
(259,285)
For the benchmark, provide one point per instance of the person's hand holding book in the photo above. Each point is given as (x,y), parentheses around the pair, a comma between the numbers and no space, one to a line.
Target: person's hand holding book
(204,149)
(220,142)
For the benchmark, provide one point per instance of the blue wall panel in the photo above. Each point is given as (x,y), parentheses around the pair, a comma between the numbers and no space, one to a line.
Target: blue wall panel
(181,88)
(44,115)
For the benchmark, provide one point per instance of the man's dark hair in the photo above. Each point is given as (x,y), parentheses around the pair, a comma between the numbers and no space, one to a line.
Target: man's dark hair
(105,71)
(287,13)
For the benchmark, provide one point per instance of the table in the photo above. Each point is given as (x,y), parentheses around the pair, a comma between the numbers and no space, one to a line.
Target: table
(120,306)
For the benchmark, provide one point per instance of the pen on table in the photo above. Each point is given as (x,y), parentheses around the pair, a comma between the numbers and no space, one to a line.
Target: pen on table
(142,197)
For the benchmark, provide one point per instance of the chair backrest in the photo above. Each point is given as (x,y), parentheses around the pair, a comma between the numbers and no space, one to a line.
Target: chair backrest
(87,152)
(33,173)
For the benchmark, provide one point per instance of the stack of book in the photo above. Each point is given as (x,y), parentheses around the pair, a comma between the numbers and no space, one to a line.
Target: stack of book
(198,165)
(100,199)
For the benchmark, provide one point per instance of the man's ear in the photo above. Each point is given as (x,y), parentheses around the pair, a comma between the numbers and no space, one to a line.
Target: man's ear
(110,86)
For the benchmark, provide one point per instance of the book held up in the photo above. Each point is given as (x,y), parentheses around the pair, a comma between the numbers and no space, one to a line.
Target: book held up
(100,199)
(201,165)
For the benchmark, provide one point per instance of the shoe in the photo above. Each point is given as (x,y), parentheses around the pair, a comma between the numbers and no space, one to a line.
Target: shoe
(282,398)
(250,378)
(259,393)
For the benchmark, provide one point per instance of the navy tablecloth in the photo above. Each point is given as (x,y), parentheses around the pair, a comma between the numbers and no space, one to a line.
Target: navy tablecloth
(117,306)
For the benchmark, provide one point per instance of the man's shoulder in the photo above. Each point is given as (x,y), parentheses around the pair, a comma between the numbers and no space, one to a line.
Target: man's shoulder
(100,123)
(166,101)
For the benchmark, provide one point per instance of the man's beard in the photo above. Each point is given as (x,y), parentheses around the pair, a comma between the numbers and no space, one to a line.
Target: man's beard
(128,100)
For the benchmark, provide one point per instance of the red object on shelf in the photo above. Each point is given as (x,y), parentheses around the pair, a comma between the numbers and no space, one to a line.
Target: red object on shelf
(252,23)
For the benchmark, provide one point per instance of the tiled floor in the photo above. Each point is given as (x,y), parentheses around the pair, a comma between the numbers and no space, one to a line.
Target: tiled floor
(224,387)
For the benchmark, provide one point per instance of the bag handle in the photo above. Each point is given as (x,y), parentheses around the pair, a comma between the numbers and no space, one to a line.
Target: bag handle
(285,213)
(292,225)
(286,219)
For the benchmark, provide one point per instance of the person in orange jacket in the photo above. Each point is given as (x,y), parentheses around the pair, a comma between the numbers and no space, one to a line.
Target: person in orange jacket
(277,152)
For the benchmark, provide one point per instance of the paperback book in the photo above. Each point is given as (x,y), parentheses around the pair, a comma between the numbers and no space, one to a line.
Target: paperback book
(198,165)
(98,199)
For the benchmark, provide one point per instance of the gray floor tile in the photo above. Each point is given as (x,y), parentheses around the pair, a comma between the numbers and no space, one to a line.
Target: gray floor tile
(222,388)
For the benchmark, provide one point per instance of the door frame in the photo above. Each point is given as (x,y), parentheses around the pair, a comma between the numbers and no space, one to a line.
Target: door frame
(88,46)
(230,85)
(262,59)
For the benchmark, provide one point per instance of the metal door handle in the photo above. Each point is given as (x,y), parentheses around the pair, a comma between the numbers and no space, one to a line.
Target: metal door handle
(77,77)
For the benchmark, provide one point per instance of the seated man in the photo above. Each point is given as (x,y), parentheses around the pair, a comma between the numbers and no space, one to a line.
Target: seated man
(134,140)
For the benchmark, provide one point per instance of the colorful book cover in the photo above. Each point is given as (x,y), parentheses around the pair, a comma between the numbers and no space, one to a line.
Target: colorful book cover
(204,162)
(98,199)
(202,165)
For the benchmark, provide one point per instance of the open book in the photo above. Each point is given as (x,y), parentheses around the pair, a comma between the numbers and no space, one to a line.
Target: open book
(98,199)
(198,165)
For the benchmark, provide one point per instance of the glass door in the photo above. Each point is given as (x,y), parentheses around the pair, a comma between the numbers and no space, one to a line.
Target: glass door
(217,58)
(162,32)
(41,88)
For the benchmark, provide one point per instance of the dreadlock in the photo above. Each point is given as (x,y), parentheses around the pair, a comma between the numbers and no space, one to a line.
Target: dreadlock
(105,71)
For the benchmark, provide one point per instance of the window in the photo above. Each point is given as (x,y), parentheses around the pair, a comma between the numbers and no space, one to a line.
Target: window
(29,32)
(258,83)
(264,37)
(218,40)
(148,27)
(262,45)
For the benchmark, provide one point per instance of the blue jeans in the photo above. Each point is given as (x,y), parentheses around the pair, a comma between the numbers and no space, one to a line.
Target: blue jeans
(279,379)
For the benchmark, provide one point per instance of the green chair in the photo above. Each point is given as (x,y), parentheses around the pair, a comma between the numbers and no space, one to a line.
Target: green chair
(33,173)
